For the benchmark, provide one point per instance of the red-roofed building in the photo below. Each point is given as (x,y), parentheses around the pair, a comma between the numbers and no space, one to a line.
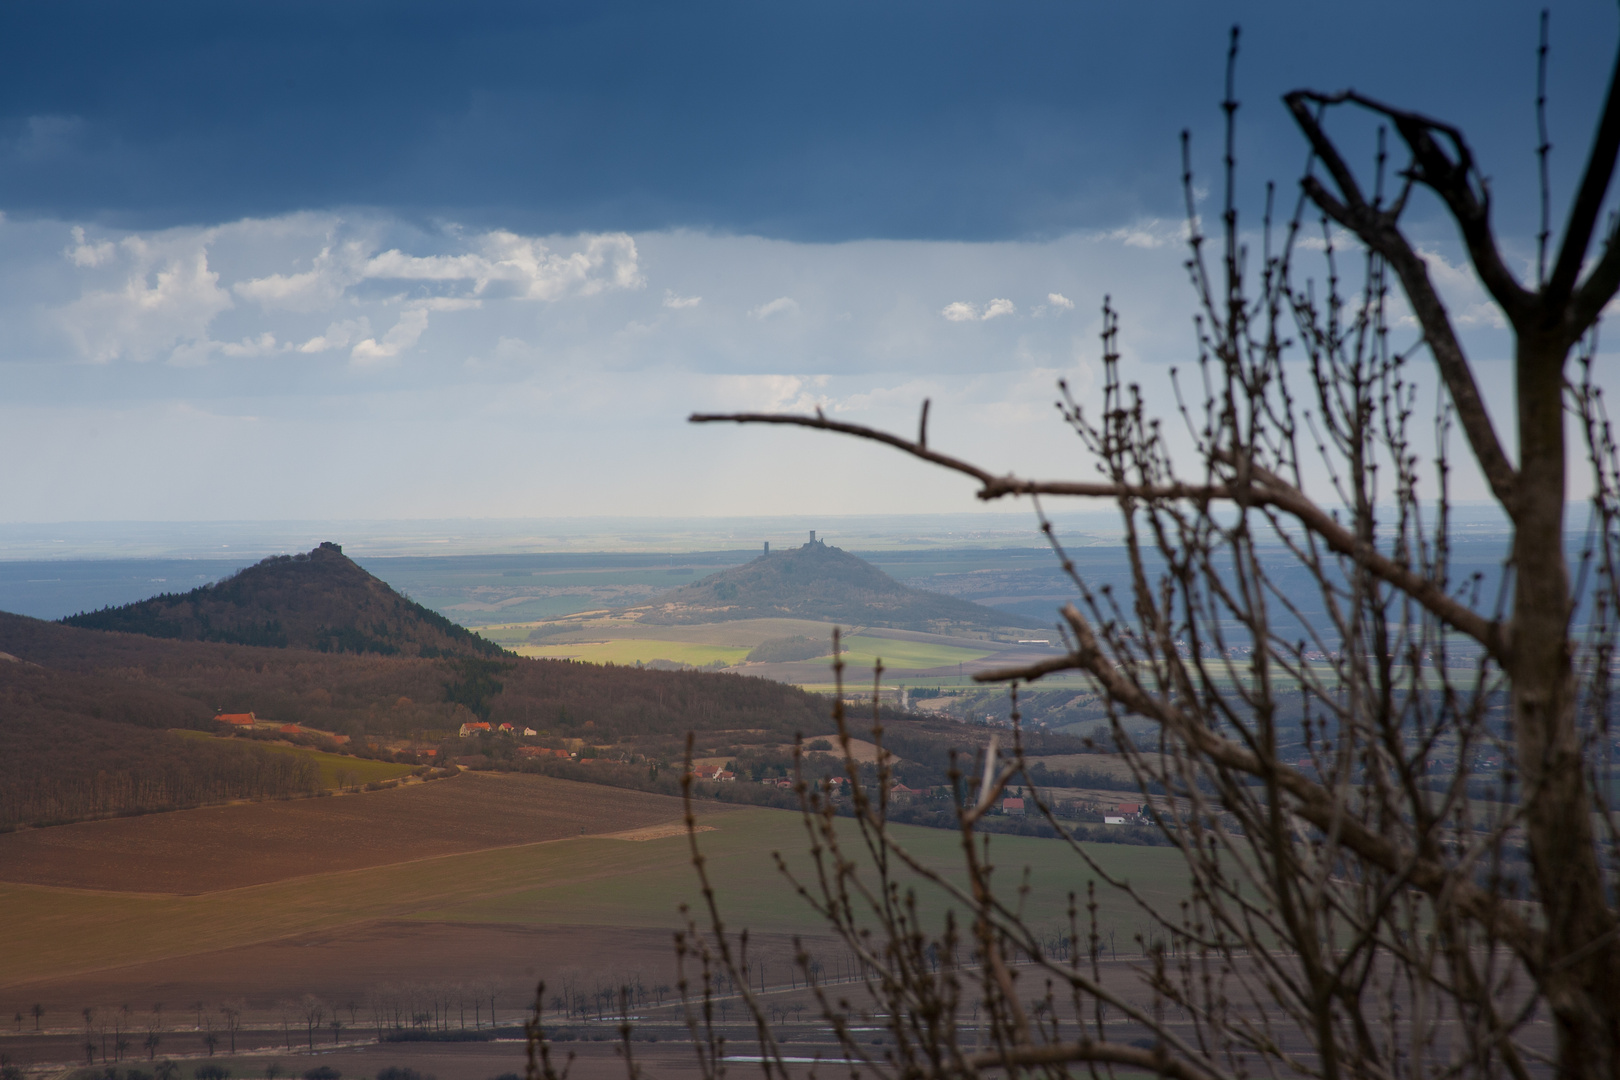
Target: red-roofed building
(474,728)
(1130,808)
(290,729)
(237,719)
(507,729)
(1012,806)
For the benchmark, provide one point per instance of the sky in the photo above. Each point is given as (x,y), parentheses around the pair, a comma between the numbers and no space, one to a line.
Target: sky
(365,260)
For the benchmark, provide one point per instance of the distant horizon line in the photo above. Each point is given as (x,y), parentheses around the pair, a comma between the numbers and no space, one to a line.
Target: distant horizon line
(245,541)
(1006,511)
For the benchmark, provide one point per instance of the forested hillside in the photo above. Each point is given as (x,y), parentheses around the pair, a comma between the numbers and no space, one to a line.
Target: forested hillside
(77,745)
(82,712)
(320,601)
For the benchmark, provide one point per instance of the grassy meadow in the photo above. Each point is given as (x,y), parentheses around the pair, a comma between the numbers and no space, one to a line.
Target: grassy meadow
(863,651)
(738,633)
(604,640)
(860,651)
(591,881)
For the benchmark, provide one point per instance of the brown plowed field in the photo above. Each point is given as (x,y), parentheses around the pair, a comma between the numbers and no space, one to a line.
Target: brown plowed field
(226,847)
(358,961)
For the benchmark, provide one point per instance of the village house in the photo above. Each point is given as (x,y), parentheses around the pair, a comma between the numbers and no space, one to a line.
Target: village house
(237,719)
(1012,807)
(1126,813)
(477,727)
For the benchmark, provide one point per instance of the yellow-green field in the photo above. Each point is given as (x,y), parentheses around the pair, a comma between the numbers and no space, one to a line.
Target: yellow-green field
(626,641)
(336,770)
(589,881)
(740,633)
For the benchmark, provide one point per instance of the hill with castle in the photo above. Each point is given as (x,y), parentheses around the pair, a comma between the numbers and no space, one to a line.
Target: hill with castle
(820,582)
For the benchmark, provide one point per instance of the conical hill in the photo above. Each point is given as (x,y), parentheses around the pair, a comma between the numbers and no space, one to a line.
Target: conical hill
(321,601)
(821,582)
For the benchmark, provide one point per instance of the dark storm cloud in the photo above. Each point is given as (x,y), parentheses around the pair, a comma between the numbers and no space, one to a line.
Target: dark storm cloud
(811,121)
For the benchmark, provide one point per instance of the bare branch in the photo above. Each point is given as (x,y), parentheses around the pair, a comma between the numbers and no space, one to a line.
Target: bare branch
(1315,804)
(1269,489)
(1583,212)
(1378,231)
(1449,175)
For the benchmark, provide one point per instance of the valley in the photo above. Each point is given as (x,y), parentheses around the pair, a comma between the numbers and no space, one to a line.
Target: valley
(417,809)
(429,899)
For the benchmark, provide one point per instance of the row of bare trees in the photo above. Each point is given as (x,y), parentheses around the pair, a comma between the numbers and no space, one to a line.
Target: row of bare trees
(431,1006)
(117,1032)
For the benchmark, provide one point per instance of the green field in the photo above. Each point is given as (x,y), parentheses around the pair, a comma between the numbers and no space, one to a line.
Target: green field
(589,881)
(863,651)
(622,641)
(336,770)
(742,633)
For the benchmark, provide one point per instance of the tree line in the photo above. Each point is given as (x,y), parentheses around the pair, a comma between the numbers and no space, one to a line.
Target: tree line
(97,768)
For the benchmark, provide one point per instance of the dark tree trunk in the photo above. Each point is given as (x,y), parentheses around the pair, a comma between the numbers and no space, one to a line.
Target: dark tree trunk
(1579,980)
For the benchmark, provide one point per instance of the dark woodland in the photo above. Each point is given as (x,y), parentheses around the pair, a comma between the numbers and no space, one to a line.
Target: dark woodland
(320,600)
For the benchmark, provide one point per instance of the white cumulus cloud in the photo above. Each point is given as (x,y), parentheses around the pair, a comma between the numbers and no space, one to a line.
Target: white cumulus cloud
(167,296)
(1151,234)
(340,335)
(263,345)
(678,302)
(770,393)
(521,266)
(85,253)
(316,289)
(1058,300)
(167,299)
(962,311)
(400,337)
(782,305)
